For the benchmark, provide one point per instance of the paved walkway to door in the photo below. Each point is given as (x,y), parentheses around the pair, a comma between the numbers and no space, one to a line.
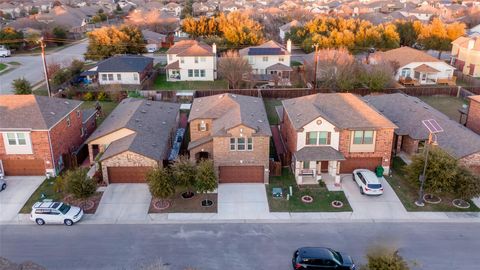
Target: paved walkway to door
(242,201)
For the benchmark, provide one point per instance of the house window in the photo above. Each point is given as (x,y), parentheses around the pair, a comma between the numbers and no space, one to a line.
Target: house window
(323,137)
(202,72)
(241,144)
(202,126)
(190,73)
(280,59)
(265,59)
(135,76)
(78,113)
(363,137)
(405,72)
(196,59)
(104,77)
(232,144)
(197,73)
(306,164)
(119,77)
(182,60)
(311,138)
(318,138)
(250,144)
(110,77)
(16,138)
(68,121)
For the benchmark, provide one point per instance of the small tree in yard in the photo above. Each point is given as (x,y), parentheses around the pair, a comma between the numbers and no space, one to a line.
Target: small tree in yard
(232,68)
(206,179)
(467,185)
(160,184)
(79,185)
(441,171)
(185,173)
(385,259)
(22,86)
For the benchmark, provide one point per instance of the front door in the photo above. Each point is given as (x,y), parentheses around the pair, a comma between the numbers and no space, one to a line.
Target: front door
(324,168)
(423,77)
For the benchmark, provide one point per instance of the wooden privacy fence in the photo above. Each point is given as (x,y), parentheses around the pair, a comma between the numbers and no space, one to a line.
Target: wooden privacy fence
(275,168)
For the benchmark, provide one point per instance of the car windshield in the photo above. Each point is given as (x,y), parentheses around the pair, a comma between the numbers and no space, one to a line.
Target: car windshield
(374,186)
(64,208)
(337,256)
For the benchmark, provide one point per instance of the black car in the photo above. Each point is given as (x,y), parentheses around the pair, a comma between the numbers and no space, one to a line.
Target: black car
(321,258)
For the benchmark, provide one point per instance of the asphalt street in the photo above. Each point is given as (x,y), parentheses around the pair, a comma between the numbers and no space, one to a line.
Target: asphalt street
(31,65)
(234,246)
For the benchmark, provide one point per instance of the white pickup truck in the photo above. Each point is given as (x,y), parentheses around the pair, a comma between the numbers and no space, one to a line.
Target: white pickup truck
(4,52)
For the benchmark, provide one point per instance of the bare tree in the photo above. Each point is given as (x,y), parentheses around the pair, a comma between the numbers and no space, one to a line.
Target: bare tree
(332,64)
(233,68)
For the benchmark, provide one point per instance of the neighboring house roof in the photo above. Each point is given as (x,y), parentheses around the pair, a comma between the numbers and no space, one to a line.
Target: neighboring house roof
(151,122)
(228,111)
(405,55)
(286,27)
(408,112)
(424,68)
(268,48)
(150,35)
(199,142)
(124,63)
(464,42)
(33,112)
(279,67)
(173,65)
(343,110)
(190,48)
(309,153)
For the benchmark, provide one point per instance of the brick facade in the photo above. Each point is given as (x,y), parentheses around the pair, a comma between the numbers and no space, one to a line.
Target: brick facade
(40,149)
(126,159)
(289,134)
(473,117)
(195,133)
(409,145)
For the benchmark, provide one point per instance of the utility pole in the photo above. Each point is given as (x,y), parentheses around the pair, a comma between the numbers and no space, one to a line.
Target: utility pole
(44,60)
(315,61)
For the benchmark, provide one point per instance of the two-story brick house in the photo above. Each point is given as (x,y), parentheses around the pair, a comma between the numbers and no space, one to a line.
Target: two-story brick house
(473,116)
(37,131)
(330,134)
(270,62)
(466,55)
(232,130)
(190,60)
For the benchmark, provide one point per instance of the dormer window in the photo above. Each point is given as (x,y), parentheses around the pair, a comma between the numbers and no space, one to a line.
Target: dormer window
(68,121)
(196,60)
(281,59)
(265,59)
(202,126)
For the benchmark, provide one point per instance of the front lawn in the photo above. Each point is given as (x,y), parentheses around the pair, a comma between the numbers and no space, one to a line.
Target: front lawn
(446,104)
(270,104)
(408,193)
(107,108)
(2,66)
(162,84)
(193,205)
(322,198)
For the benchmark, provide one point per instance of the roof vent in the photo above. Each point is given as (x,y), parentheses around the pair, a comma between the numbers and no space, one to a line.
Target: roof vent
(143,111)
(299,114)
(164,123)
(52,113)
(426,107)
(256,101)
(137,120)
(260,120)
(66,102)
(154,144)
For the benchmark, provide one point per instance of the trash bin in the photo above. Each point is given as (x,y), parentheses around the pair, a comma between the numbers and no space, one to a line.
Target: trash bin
(379,171)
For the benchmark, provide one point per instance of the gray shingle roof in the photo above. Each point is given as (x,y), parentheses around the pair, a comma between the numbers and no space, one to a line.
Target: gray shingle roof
(152,122)
(33,112)
(228,111)
(343,110)
(124,63)
(324,153)
(408,112)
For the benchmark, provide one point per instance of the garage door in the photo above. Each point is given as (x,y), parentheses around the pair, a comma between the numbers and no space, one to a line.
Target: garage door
(24,167)
(127,174)
(351,164)
(241,174)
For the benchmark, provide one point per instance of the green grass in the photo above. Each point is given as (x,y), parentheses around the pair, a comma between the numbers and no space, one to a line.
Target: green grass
(272,115)
(446,104)
(46,188)
(107,108)
(322,198)
(162,84)
(408,193)
(14,63)
(2,66)
(295,64)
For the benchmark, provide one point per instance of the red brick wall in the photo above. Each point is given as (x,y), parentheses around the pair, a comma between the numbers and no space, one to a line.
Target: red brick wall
(473,120)
(40,149)
(383,146)
(289,133)
(90,126)
(64,138)
(409,145)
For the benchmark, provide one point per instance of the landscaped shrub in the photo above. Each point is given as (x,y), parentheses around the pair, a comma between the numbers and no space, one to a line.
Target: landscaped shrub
(78,184)
(102,96)
(160,183)
(385,259)
(88,96)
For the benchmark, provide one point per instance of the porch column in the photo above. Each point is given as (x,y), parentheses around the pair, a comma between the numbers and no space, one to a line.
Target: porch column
(90,153)
(337,175)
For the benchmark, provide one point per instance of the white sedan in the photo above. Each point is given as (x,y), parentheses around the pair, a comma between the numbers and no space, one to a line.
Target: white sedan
(368,182)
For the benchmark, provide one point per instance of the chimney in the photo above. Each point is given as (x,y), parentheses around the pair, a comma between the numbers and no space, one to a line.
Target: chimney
(471,44)
(289,46)
(214,48)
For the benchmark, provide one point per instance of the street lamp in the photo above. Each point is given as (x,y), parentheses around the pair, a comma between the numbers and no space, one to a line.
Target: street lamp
(433,128)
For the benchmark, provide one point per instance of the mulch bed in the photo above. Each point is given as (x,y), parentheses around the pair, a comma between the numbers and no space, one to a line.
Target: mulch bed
(91,204)
(192,205)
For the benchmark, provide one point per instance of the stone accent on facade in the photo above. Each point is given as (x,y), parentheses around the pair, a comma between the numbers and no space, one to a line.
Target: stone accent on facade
(126,159)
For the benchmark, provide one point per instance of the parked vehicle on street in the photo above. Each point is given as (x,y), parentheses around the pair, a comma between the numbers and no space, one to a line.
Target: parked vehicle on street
(321,258)
(3,184)
(368,182)
(4,52)
(55,212)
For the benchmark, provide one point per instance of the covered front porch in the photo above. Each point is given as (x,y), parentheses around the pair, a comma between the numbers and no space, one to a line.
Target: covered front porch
(317,163)
(173,72)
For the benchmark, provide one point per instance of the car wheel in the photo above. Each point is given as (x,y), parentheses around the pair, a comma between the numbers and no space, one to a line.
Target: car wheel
(361,191)
(4,186)
(68,222)
(40,221)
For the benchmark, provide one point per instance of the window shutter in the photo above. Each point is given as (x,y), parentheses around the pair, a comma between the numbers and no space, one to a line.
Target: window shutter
(199,127)
(307,136)
(329,137)
(206,126)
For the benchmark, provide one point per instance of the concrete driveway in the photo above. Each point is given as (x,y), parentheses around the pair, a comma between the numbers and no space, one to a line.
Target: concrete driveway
(125,203)
(386,206)
(242,201)
(18,191)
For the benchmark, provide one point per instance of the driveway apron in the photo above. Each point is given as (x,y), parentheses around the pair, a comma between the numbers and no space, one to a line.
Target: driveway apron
(18,191)
(242,201)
